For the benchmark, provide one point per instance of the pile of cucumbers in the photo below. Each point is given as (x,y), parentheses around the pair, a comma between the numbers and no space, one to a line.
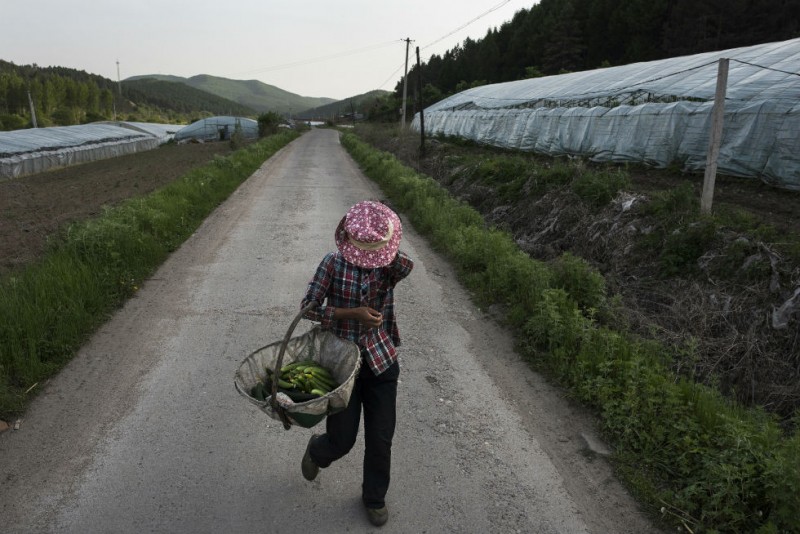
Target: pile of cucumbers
(301,381)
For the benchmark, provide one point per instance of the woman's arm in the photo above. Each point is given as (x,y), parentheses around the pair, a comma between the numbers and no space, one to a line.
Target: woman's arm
(400,267)
(317,291)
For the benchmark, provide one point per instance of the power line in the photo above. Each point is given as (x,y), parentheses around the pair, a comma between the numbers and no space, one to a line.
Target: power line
(320,58)
(440,39)
(495,8)
(392,75)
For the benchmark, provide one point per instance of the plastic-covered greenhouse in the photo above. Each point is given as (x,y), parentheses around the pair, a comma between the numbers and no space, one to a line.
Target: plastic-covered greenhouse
(34,150)
(218,129)
(657,112)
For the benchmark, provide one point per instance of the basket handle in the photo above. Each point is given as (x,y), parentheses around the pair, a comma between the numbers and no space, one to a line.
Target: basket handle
(276,372)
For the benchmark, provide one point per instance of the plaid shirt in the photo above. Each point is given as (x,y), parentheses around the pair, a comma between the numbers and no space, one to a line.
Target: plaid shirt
(345,285)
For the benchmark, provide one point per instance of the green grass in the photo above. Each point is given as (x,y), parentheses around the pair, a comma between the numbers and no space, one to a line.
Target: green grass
(47,310)
(691,455)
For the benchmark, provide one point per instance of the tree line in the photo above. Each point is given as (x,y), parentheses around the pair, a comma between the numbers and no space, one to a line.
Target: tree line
(559,36)
(63,97)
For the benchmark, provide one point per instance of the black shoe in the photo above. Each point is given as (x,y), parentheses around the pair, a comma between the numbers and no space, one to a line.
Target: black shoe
(378,516)
(309,468)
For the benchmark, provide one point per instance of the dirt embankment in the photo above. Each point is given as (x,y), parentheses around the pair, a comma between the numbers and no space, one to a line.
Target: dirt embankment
(732,315)
(35,207)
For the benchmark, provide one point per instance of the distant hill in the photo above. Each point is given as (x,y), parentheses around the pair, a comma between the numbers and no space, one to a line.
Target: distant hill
(360,104)
(250,93)
(182,98)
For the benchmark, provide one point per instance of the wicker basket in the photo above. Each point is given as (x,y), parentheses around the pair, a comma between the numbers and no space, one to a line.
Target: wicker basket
(341,357)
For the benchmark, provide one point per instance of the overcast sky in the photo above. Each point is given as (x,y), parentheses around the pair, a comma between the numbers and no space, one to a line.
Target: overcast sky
(320,48)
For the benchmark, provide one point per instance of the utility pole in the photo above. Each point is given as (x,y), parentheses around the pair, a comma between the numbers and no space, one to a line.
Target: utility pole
(421,108)
(405,86)
(119,83)
(33,109)
(715,138)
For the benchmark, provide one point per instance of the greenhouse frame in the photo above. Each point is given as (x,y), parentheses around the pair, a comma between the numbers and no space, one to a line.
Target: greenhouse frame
(34,150)
(657,113)
(218,128)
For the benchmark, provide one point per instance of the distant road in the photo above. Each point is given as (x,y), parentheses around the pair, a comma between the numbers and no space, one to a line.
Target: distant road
(144,432)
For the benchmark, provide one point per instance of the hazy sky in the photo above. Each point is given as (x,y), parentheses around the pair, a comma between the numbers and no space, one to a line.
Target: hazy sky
(321,48)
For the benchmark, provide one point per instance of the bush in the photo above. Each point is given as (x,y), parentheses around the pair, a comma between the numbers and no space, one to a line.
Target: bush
(268,123)
(684,246)
(580,280)
(599,188)
(12,122)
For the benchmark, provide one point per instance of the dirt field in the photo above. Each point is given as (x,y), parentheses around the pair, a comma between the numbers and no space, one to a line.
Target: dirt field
(37,206)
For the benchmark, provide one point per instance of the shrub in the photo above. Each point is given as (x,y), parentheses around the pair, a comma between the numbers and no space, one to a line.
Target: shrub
(268,123)
(580,280)
(676,203)
(684,246)
(599,188)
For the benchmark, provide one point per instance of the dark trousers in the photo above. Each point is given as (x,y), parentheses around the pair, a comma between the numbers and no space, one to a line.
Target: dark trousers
(377,395)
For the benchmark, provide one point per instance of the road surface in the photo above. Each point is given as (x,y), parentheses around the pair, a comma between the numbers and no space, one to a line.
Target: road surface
(144,432)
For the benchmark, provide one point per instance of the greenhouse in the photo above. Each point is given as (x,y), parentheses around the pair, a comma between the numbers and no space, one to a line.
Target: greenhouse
(657,113)
(218,129)
(35,150)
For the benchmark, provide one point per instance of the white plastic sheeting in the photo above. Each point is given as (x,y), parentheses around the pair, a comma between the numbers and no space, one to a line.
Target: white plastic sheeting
(35,150)
(218,129)
(657,112)
(163,132)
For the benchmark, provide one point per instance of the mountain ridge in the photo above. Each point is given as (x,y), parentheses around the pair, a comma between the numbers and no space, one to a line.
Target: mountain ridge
(253,94)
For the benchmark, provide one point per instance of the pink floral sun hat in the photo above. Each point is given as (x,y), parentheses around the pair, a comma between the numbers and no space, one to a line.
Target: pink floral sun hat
(369,235)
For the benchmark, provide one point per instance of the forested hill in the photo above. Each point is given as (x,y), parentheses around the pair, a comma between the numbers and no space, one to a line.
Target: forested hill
(359,104)
(251,93)
(182,98)
(556,36)
(63,96)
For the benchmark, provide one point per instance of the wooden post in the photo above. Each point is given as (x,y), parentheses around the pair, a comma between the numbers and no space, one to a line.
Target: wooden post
(715,139)
(421,109)
(405,87)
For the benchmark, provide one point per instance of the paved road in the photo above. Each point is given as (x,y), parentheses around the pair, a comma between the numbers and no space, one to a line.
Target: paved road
(144,432)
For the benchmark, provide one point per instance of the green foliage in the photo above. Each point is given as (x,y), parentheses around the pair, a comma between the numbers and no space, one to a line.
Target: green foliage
(65,97)
(580,280)
(268,123)
(675,204)
(706,463)
(552,176)
(533,72)
(238,140)
(600,187)
(48,309)
(66,116)
(181,98)
(502,170)
(685,245)
(12,122)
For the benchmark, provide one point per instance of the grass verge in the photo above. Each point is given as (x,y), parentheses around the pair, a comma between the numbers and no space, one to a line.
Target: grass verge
(47,310)
(703,462)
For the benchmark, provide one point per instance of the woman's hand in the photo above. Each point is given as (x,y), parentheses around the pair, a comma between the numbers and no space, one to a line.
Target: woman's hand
(363,314)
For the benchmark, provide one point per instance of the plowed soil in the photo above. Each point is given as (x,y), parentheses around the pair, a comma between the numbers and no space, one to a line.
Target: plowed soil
(33,208)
